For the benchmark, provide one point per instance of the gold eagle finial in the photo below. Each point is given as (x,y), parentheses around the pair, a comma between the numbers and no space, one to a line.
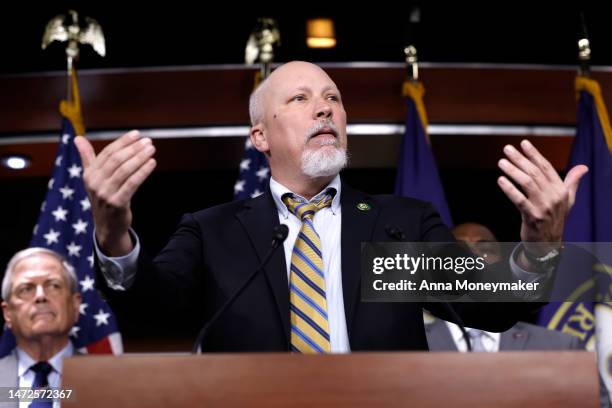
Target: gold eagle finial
(59,29)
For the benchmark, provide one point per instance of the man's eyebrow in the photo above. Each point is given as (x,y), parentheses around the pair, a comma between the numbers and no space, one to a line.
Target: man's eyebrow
(331,88)
(325,89)
(302,89)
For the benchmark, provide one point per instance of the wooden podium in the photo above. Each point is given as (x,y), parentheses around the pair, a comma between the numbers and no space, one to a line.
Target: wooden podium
(507,379)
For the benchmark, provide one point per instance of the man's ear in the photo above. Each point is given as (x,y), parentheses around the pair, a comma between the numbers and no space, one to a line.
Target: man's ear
(6,314)
(76,305)
(259,138)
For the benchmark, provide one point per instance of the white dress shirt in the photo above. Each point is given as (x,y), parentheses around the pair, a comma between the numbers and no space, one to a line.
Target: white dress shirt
(26,376)
(328,224)
(490,341)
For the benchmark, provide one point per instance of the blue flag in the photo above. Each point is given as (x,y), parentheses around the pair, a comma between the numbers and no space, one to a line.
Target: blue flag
(590,220)
(417,173)
(65,225)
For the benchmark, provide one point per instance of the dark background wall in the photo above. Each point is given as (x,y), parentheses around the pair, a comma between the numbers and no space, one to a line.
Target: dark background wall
(183,33)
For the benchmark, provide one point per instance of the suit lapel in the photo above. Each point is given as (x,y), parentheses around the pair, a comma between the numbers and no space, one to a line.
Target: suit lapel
(8,370)
(259,217)
(359,215)
(513,339)
(439,337)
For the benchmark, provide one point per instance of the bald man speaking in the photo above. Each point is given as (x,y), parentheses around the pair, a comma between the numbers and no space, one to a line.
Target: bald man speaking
(308,297)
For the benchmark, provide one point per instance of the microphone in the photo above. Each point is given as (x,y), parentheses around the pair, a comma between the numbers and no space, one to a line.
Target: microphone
(397,233)
(280,234)
(460,324)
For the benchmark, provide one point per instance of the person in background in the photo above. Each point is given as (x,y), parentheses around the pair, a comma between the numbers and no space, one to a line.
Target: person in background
(41,304)
(446,336)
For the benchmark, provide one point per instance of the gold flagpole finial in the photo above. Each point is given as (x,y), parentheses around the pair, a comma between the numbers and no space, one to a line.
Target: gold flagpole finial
(67,29)
(261,44)
(412,88)
(59,29)
(412,65)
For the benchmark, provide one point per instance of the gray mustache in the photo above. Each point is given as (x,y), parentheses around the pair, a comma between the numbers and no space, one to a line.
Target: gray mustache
(316,128)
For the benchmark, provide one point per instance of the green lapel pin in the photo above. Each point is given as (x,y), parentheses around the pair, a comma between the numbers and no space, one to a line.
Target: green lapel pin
(364,207)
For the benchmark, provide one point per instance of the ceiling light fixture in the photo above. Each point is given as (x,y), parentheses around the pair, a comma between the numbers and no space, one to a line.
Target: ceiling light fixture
(15,162)
(320,33)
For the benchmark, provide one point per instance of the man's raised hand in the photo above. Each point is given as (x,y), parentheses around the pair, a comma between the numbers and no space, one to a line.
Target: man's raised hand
(544,199)
(111,179)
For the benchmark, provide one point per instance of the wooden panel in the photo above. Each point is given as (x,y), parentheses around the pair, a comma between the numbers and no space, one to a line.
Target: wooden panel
(199,97)
(148,98)
(365,152)
(513,379)
(483,152)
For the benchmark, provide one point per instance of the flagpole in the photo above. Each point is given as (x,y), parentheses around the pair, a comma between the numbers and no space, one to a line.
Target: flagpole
(260,47)
(601,310)
(412,65)
(74,34)
(254,171)
(584,50)
(413,88)
(65,223)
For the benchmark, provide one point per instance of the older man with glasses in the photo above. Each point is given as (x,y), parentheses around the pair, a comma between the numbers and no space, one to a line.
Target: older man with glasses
(40,305)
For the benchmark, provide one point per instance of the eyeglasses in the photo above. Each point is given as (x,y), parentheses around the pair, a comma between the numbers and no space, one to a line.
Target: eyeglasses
(51,288)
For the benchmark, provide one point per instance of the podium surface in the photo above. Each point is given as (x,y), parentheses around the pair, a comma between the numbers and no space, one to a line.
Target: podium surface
(505,379)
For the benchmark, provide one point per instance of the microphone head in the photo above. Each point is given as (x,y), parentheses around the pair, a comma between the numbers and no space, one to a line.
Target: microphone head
(280,233)
(395,232)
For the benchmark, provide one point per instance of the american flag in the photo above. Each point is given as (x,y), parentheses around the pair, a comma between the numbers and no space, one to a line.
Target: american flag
(65,225)
(254,170)
(254,173)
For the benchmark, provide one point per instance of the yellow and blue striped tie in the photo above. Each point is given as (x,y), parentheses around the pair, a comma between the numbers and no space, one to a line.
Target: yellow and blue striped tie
(308,303)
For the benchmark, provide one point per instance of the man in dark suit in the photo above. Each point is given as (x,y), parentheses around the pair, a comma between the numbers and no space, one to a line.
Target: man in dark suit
(446,336)
(41,305)
(307,299)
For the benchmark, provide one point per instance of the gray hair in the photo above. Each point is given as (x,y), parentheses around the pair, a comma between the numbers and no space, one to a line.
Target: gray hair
(68,269)
(256,103)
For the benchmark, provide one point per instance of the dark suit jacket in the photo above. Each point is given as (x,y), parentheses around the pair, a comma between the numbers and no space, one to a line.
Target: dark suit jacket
(214,250)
